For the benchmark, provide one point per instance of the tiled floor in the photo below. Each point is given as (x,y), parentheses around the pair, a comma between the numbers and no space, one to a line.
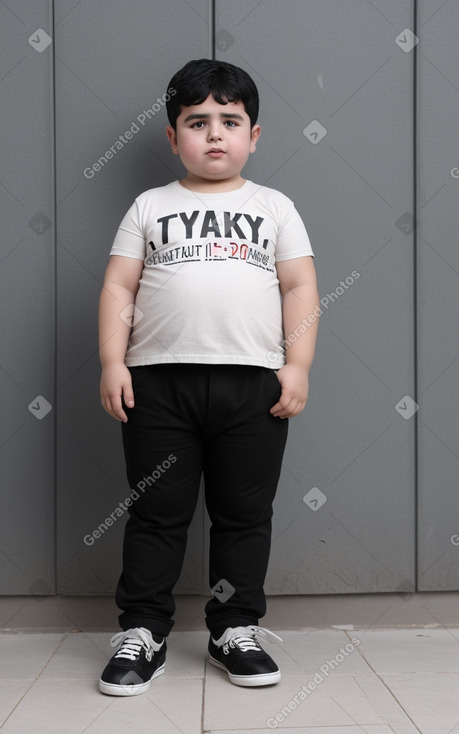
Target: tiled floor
(343,679)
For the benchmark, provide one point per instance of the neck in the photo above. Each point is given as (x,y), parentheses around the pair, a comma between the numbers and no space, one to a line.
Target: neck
(204,186)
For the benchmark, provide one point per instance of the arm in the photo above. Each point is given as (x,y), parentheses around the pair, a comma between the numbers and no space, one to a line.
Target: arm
(298,285)
(119,290)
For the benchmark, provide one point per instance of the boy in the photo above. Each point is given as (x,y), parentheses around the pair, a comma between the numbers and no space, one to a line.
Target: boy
(201,384)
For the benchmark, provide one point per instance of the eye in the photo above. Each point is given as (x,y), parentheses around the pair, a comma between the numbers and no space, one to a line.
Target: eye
(195,125)
(231,123)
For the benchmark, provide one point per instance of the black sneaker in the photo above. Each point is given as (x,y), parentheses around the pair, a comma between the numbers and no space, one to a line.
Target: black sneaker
(240,654)
(138,661)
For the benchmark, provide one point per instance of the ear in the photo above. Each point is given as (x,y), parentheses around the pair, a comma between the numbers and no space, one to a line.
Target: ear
(254,135)
(172,138)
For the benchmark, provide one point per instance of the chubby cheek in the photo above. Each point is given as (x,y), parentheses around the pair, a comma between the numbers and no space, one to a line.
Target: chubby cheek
(188,148)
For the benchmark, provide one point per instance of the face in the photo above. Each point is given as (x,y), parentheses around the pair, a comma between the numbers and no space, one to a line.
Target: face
(213,141)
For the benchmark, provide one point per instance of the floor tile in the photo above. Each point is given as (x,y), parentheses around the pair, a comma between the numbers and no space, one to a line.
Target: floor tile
(55,706)
(337,701)
(430,699)
(78,656)
(186,654)
(73,707)
(11,692)
(322,651)
(389,707)
(170,707)
(411,650)
(25,655)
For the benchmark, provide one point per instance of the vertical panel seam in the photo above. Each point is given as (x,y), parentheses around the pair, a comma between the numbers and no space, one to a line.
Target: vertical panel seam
(212,28)
(54,260)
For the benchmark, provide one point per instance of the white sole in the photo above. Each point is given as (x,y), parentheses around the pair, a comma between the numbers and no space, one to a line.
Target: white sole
(117,689)
(249,681)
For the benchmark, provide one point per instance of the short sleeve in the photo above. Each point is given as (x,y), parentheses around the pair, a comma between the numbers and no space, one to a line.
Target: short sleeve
(293,239)
(129,240)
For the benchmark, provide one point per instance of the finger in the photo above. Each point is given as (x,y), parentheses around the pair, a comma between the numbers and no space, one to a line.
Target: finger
(128,394)
(281,408)
(292,408)
(275,408)
(116,408)
(285,400)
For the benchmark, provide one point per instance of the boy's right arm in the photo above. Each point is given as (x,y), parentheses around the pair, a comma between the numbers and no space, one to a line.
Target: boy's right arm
(119,290)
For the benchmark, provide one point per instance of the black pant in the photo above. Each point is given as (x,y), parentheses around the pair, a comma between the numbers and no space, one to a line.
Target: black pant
(191,419)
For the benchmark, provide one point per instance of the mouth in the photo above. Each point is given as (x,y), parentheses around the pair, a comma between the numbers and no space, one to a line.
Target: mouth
(215,152)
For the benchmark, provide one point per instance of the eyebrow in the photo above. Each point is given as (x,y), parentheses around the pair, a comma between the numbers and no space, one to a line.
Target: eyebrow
(202,116)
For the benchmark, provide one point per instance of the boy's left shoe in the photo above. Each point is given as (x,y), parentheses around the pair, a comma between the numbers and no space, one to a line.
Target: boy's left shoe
(239,653)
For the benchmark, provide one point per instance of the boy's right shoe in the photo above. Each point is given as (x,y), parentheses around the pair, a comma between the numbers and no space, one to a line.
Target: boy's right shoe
(137,662)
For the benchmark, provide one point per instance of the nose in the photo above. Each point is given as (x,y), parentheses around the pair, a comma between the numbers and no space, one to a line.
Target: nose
(214,132)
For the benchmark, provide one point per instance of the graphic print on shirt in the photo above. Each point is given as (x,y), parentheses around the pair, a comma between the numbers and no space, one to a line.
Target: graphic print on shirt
(242,230)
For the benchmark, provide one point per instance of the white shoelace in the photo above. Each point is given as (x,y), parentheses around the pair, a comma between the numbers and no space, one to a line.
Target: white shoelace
(132,641)
(245,637)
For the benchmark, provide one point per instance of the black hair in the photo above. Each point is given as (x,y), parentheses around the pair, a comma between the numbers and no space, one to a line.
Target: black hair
(201,77)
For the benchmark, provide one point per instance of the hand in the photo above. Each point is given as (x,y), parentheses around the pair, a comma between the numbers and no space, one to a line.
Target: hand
(295,388)
(116,382)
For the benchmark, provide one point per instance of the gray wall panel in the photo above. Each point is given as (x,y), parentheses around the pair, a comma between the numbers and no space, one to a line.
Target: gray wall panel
(438,299)
(338,63)
(27,543)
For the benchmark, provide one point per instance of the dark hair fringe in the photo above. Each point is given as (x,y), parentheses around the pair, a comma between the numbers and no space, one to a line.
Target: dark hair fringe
(224,81)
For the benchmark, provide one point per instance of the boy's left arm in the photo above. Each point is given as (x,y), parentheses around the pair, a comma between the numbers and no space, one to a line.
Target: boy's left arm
(300,309)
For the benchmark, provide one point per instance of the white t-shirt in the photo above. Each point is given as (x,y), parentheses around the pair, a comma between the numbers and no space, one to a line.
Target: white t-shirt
(209,292)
